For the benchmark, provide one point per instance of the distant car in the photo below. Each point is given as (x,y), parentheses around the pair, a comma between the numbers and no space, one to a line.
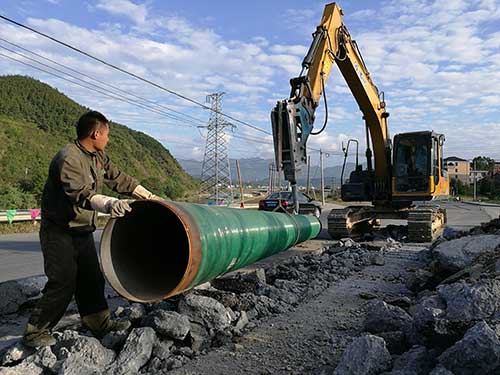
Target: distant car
(307,205)
(223,199)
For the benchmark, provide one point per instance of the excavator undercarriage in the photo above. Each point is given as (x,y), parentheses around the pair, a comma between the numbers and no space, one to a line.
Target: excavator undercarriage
(425,222)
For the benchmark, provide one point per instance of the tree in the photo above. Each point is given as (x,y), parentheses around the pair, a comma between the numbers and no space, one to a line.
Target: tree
(457,187)
(486,186)
(484,163)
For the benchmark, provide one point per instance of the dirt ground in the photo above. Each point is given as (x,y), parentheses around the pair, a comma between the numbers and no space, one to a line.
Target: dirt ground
(311,339)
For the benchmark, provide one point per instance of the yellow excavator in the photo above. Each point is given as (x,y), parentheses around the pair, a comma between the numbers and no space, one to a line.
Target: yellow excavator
(410,169)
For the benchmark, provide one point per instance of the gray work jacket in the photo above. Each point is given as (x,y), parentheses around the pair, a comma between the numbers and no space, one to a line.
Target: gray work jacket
(75,176)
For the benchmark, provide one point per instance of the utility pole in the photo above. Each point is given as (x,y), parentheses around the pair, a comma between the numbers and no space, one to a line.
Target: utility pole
(322,177)
(216,173)
(270,187)
(278,184)
(475,180)
(308,174)
(241,185)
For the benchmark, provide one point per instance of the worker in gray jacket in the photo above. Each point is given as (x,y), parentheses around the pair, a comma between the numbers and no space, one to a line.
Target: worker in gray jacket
(71,200)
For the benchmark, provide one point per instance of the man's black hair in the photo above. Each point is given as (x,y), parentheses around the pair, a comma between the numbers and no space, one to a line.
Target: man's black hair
(90,122)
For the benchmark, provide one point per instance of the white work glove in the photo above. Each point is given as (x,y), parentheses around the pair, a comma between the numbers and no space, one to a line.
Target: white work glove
(109,205)
(140,192)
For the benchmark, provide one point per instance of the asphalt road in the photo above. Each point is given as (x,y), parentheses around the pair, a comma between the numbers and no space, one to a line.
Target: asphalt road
(20,254)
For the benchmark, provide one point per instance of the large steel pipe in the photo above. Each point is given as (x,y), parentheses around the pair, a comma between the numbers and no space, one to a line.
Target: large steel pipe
(161,249)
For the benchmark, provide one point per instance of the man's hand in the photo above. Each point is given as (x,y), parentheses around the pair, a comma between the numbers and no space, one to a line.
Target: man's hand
(119,208)
(109,205)
(140,192)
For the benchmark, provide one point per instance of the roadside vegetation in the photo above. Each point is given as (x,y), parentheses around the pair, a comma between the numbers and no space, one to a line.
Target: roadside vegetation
(36,121)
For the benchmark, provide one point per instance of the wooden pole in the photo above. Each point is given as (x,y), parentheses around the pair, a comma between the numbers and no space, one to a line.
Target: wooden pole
(241,185)
(308,174)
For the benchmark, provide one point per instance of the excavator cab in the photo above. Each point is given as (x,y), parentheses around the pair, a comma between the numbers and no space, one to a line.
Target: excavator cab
(418,169)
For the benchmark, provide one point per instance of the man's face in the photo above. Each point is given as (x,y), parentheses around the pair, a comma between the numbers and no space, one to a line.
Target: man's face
(101,137)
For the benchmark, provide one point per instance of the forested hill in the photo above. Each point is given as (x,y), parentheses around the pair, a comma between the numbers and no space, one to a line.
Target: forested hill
(36,120)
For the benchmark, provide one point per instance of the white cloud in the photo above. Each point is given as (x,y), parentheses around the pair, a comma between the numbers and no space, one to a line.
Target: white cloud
(135,12)
(292,50)
(438,64)
(362,15)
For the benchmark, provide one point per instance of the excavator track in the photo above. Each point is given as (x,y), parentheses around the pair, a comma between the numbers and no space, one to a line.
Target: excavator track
(338,223)
(349,222)
(425,224)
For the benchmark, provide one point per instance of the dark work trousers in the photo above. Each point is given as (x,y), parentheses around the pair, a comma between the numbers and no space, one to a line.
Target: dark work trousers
(72,268)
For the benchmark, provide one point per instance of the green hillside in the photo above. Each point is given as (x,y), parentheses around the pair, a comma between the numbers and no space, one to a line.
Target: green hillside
(36,120)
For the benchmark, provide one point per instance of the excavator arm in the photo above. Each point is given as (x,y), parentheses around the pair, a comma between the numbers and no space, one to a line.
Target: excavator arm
(293,118)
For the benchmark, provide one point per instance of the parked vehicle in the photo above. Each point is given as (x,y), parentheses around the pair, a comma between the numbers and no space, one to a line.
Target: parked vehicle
(282,201)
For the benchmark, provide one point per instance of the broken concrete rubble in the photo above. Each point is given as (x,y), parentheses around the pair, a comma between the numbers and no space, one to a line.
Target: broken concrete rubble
(448,308)
(457,254)
(248,282)
(395,341)
(168,323)
(220,317)
(365,355)
(471,302)
(11,297)
(38,363)
(114,340)
(73,349)
(16,353)
(135,353)
(382,317)
(418,361)
(134,312)
(477,353)
(205,311)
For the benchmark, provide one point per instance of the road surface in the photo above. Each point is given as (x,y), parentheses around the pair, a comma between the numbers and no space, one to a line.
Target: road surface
(20,254)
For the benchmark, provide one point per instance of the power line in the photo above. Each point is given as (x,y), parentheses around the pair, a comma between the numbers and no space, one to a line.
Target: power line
(103,90)
(102,82)
(130,73)
(130,101)
(251,139)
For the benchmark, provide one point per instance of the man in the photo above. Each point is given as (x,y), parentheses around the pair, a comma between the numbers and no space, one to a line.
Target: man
(71,200)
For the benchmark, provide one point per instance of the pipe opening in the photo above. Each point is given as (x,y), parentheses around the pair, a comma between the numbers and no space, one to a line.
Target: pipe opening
(146,253)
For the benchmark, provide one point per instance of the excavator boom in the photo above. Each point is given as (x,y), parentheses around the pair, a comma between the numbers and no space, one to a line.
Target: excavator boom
(293,119)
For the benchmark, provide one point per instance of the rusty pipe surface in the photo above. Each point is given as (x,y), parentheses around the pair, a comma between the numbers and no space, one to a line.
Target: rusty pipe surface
(162,248)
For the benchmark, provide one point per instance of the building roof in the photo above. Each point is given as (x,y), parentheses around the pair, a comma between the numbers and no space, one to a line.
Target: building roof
(453,158)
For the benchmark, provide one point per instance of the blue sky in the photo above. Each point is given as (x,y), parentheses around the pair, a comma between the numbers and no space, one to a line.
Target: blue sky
(437,62)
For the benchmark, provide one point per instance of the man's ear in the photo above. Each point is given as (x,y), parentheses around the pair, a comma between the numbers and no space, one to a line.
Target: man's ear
(93,135)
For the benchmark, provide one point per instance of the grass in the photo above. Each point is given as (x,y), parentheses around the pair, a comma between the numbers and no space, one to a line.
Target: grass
(480,198)
(20,227)
(30,227)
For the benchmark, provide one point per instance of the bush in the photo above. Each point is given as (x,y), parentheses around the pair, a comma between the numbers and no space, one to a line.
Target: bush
(13,198)
(174,188)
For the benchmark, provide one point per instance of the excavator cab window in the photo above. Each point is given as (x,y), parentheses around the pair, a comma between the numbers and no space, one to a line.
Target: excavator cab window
(435,159)
(412,164)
